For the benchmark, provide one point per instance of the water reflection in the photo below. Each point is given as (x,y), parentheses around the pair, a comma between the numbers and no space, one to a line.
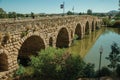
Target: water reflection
(88,48)
(82,47)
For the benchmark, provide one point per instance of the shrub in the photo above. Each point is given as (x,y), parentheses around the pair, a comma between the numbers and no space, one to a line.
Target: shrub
(104,72)
(114,56)
(89,71)
(106,21)
(116,24)
(20,71)
(56,64)
(118,70)
(24,33)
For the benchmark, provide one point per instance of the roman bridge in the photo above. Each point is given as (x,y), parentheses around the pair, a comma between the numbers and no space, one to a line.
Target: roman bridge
(22,38)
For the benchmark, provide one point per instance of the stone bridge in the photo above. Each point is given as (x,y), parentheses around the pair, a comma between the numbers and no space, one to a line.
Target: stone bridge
(23,38)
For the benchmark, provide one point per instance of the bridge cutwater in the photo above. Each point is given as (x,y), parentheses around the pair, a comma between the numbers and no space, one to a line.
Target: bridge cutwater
(22,38)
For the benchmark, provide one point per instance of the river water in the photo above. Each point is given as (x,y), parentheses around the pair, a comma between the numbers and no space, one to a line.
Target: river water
(89,47)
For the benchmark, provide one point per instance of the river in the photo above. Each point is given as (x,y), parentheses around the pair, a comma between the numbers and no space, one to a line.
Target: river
(89,47)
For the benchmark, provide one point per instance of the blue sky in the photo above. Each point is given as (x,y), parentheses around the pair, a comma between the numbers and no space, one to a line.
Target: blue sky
(53,6)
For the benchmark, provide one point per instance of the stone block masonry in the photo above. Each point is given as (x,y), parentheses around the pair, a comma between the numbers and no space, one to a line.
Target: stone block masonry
(23,38)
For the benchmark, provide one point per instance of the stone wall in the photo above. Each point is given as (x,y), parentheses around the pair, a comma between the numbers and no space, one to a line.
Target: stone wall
(23,38)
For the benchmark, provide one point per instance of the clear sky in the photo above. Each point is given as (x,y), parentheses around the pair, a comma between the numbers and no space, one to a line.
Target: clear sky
(53,6)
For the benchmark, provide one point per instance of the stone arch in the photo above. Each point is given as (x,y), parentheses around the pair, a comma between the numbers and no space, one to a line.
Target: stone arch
(51,42)
(3,62)
(31,46)
(87,27)
(78,31)
(62,38)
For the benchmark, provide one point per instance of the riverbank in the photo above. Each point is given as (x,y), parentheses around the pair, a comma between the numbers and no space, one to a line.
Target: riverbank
(115,25)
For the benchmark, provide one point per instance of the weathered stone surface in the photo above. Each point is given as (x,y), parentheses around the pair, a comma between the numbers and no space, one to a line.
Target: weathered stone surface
(30,36)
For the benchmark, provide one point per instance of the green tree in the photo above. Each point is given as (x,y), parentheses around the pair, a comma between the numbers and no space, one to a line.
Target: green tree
(103,72)
(117,16)
(27,15)
(89,70)
(56,64)
(3,14)
(12,14)
(118,70)
(69,13)
(89,12)
(107,22)
(80,13)
(20,71)
(20,15)
(114,56)
(32,15)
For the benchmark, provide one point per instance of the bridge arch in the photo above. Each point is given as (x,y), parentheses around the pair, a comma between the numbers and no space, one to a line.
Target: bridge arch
(31,46)
(62,40)
(3,62)
(87,27)
(78,31)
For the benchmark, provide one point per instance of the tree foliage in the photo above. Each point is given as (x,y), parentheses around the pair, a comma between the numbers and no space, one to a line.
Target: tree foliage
(20,71)
(114,56)
(108,22)
(103,72)
(118,70)
(89,12)
(3,14)
(89,70)
(70,13)
(12,14)
(56,64)
(32,15)
(20,15)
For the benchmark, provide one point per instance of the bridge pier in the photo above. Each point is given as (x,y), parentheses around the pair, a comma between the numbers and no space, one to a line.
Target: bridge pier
(38,34)
(90,31)
(82,35)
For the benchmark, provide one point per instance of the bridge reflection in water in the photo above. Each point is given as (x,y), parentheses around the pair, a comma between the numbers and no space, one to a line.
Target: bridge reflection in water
(82,46)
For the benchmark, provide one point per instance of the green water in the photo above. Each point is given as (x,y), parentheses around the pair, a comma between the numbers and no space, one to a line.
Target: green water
(89,47)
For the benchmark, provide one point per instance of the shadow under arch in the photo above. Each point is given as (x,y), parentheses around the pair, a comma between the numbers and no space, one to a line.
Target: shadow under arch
(78,31)
(87,28)
(3,62)
(62,38)
(31,46)
(96,25)
(51,42)
(93,26)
